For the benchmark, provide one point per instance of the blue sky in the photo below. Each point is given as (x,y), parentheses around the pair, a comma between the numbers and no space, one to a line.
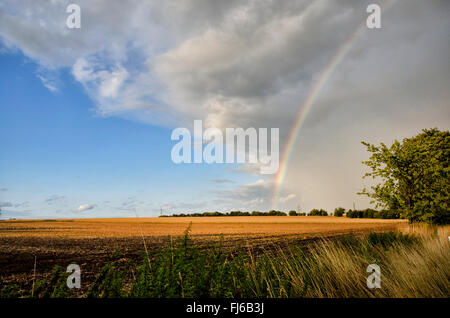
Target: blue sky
(86,114)
(57,155)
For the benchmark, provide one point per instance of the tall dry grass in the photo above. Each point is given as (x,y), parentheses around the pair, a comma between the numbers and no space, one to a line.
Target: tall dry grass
(422,270)
(415,263)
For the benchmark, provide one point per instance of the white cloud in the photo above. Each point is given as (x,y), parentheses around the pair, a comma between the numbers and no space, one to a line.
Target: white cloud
(112,81)
(15,205)
(104,83)
(167,206)
(85,207)
(255,195)
(82,71)
(232,64)
(181,207)
(55,199)
(48,83)
(222,180)
(287,198)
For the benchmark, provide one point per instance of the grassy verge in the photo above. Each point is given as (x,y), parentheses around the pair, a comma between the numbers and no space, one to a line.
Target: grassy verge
(413,264)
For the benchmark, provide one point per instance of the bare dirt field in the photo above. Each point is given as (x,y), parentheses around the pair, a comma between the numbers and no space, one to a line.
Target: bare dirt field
(244,226)
(92,242)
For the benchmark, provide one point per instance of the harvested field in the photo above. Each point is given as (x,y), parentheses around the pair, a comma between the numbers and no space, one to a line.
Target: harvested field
(92,242)
(242,226)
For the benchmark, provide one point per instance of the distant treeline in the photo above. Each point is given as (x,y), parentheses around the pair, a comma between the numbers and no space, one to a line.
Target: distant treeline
(373,214)
(339,212)
(232,213)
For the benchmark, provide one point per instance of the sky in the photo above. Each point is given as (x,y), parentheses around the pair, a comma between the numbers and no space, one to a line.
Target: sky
(86,115)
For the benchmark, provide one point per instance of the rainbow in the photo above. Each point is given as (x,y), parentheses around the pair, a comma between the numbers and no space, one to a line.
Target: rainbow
(311,98)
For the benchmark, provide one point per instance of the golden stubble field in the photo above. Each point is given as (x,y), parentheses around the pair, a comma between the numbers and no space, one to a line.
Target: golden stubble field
(240,226)
(34,247)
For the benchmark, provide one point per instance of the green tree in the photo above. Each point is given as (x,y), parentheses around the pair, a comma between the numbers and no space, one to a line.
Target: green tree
(317,212)
(292,213)
(339,211)
(414,176)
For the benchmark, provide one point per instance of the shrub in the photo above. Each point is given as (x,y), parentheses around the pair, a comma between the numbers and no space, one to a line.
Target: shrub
(339,212)
(317,212)
(183,270)
(56,287)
